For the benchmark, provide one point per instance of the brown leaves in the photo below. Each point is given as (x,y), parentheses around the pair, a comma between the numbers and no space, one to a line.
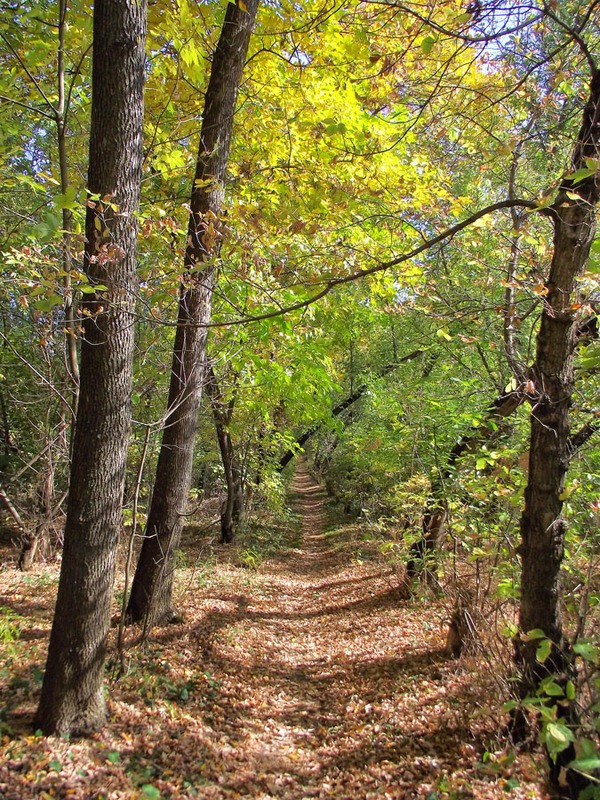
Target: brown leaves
(308,678)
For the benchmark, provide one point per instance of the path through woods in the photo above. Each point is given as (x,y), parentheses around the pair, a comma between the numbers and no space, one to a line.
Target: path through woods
(313,677)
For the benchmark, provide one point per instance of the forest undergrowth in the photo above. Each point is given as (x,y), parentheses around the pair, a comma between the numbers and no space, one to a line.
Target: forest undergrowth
(313,673)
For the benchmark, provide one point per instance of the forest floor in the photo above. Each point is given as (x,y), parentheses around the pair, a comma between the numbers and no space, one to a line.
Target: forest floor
(311,676)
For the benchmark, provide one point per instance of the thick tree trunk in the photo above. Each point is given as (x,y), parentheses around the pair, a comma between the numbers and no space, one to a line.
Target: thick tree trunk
(542,526)
(72,698)
(152,588)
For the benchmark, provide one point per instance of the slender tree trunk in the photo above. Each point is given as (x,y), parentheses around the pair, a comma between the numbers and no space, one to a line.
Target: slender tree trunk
(435,515)
(72,698)
(152,588)
(434,518)
(542,525)
(352,398)
(232,511)
(72,363)
(233,507)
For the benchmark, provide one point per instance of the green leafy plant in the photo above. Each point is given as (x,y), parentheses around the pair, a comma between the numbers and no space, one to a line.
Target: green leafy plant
(551,703)
(250,558)
(10,625)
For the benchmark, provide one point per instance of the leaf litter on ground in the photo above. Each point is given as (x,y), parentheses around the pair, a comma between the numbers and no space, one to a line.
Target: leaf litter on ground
(312,677)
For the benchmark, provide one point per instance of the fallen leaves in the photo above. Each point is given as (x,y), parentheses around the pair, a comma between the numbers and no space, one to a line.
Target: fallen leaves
(309,679)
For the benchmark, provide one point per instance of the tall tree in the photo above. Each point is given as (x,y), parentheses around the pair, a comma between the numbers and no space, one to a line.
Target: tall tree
(151,591)
(543,527)
(72,698)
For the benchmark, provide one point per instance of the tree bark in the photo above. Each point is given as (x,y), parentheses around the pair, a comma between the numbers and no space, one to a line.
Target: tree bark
(233,506)
(72,699)
(542,526)
(152,588)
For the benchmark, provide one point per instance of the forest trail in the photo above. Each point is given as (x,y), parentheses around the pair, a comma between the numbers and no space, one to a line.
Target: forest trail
(312,677)
(332,684)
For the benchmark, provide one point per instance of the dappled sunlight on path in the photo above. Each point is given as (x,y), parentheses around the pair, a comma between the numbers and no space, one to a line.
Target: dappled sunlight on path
(313,677)
(332,685)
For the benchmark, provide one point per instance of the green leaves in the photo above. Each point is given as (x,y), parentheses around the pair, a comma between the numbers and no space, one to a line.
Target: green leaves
(543,650)
(588,758)
(541,654)
(462,18)
(332,126)
(592,166)
(46,230)
(557,736)
(590,357)
(588,651)
(427,44)
(67,200)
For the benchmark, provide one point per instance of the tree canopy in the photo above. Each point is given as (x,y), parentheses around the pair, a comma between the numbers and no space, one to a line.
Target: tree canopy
(366,234)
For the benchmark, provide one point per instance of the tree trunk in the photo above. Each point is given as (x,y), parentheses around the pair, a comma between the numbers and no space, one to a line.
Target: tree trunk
(233,506)
(152,588)
(352,398)
(72,699)
(61,112)
(542,526)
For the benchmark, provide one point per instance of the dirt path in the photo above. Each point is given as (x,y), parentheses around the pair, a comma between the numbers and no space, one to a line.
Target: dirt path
(332,685)
(310,678)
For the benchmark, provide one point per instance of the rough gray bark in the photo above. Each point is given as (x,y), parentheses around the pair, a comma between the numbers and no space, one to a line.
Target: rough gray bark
(72,699)
(152,588)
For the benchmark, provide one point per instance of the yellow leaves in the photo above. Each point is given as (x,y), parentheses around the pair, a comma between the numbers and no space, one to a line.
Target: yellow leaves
(545,200)
(568,490)
(48,177)
(168,161)
(507,148)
